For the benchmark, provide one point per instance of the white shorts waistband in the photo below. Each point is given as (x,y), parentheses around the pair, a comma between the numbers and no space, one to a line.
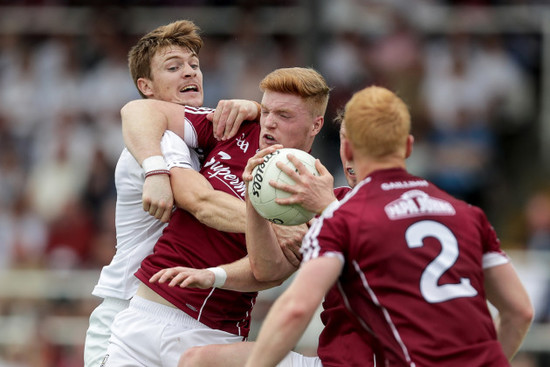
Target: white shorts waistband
(118,302)
(166,313)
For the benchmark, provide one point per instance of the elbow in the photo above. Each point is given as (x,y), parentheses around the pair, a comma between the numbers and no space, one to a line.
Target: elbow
(198,209)
(270,273)
(527,315)
(296,312)
(129,107)
(522,317)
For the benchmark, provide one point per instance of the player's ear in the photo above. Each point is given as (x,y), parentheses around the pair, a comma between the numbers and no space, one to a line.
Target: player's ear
(348,152)
(317,125)
(410,141)
(145,86)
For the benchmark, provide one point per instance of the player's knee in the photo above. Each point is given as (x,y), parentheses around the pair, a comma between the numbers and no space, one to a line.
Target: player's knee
(191,358)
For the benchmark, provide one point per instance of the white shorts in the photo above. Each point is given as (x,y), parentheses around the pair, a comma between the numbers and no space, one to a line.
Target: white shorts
(99,330)
(151,334)
(294,359)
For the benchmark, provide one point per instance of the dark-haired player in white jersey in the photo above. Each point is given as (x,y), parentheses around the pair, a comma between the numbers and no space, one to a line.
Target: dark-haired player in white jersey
(161,322)
(164,65)
(415,266)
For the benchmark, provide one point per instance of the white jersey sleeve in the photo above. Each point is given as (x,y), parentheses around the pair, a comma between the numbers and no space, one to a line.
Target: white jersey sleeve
(177,153)
(136,231)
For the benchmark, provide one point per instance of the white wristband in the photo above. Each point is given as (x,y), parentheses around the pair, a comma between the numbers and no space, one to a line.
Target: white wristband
(220,276)
(154,163)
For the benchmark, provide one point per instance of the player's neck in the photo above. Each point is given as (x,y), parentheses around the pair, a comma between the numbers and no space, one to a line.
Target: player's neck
(365,167)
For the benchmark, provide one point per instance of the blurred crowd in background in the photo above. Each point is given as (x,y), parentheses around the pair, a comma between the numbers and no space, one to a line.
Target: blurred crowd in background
(475,99)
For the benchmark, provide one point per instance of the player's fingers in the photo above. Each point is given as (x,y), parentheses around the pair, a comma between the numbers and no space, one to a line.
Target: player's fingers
(293,199)
(235,127)
(291,257)
(270,149)
(235,119)
(156,211)
(168,275)
(189,281)
(291,189)
(177,279)
(321,168)
(221,115)
(290,171)
(300,167)
(228,121)
(257,159)
(165,218)
(146,204)
(156,277)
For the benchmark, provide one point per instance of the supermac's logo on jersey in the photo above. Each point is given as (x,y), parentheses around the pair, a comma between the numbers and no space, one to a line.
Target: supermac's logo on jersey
(217,168)
(415,203)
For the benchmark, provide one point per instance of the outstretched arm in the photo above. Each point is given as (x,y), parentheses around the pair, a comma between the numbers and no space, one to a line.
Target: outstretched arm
(238,277)
(506,292)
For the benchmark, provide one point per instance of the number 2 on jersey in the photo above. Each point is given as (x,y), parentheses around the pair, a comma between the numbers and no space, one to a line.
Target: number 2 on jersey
(431,291)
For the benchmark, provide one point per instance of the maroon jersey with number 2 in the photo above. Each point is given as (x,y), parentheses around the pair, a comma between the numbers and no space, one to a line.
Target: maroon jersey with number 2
(413,270)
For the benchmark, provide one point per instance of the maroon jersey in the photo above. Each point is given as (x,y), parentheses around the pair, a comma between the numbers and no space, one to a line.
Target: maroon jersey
(341,343)
(413,270)
(188,242)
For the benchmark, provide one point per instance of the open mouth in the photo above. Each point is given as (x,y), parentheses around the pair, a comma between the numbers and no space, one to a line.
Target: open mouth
(351,171)
(270,139)
(189,88)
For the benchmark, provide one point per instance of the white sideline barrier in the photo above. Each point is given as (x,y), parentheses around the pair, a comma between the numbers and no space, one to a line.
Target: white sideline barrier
(42,286)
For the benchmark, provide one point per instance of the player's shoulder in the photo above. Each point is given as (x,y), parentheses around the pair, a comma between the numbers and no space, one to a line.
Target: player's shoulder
(198,111)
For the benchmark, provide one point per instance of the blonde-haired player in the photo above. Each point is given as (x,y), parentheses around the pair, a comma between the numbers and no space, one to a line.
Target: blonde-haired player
(414,265)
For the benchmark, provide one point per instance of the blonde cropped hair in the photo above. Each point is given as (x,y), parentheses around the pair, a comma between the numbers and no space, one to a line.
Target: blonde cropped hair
(377,122)
(306,83)
(183,33)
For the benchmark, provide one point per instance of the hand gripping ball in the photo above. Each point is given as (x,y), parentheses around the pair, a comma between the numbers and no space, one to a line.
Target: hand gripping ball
(262,195)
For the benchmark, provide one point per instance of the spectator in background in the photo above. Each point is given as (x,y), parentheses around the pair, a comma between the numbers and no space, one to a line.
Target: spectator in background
(468,89)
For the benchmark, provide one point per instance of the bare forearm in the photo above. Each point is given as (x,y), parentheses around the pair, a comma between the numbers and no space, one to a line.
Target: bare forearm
(240,278)
(511,332)
(216,209)
(280,332)
(266,257)
(221,211)
(293,310)
(235,276)
(515,312)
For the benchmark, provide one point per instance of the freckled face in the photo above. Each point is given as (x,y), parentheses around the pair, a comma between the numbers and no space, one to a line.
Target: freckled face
(286,119)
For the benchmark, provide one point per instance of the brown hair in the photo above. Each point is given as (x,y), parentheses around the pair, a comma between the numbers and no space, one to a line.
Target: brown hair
(303,82)
(377,122)
(182,33)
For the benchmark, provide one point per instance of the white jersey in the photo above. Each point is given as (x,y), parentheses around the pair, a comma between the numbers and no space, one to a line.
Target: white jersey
(136,230)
